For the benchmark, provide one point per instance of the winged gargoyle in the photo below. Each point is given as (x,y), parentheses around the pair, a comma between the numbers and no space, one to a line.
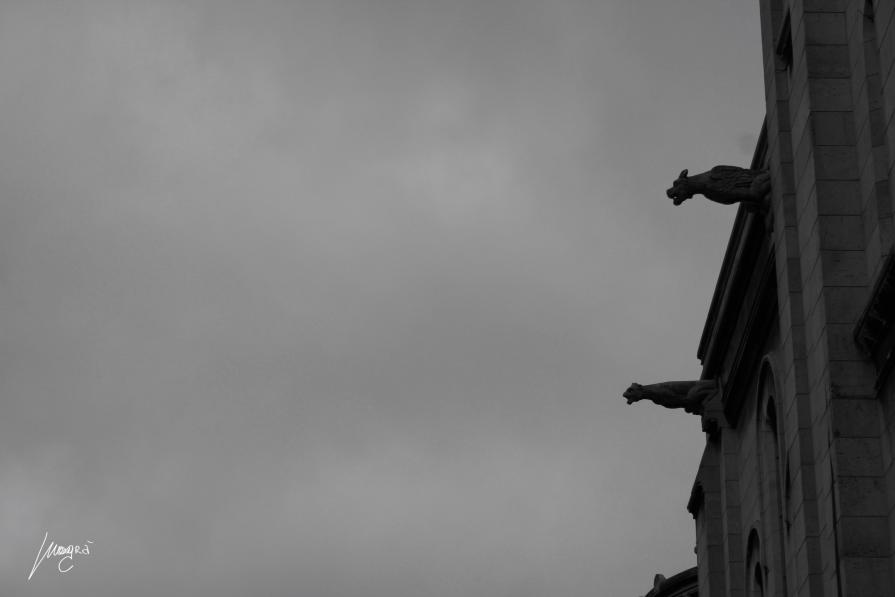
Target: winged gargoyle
(723,184)
(689,395)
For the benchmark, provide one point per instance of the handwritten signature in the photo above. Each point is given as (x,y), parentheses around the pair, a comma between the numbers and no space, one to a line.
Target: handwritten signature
(67,553)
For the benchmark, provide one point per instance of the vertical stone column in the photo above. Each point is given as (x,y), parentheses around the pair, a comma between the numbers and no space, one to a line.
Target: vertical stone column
(870,130)
(732,511)
(783,93)
(829,212)
(706,506)
(884,25)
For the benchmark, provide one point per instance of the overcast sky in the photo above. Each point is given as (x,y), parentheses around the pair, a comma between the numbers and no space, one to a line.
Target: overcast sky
(338,298)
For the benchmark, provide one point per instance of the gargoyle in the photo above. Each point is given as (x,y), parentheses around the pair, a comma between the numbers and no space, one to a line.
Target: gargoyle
(723,184)
(689,395)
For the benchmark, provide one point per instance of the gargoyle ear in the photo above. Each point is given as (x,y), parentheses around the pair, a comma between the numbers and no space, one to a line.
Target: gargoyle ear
(683,173)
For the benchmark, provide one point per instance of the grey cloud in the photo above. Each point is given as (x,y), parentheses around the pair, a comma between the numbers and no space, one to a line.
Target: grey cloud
(338,298)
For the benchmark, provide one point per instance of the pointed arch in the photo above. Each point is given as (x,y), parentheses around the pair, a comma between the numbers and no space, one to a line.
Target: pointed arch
(772,479)
(755,574)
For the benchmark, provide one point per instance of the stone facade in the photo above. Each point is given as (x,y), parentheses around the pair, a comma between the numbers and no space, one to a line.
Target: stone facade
(795,492)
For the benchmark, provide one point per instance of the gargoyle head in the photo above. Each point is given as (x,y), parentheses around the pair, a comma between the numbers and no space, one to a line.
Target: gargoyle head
(680,190)
(634,393)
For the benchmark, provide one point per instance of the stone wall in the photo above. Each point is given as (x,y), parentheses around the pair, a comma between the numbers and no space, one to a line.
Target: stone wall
(796,491)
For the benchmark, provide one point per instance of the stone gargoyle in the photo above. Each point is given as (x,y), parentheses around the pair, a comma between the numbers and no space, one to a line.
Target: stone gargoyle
(723,184)
(689,395)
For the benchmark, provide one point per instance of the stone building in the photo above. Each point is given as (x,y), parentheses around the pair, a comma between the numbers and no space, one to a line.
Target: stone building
(795,491)
(682,584)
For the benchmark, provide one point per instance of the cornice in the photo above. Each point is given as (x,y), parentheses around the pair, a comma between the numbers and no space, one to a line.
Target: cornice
(744,240)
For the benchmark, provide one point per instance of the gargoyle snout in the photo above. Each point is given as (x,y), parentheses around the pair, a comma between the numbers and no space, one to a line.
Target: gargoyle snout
(632,394)
(674,194)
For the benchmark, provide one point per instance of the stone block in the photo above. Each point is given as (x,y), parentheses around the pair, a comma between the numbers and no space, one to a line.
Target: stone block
(866,577)
(799,346)
(841,344)
(783,122)
(843,268)
(824,5)
(840,233)
(830,94)
(852,378)
(864,154)
(794,275)
(859,84)
(734,546)
(830,582)
(877,118)
(863,536)
(855,419)
(811,585)
(880,161)
(817,359)
(866,56)
(803,154)
(832,128)
(874,248)
(811,294)
(782,177)
(797,84)
(811,517)
(884,38)
(785,156)
(883,198)
(861,456)
(801,378)
(808,444)
(890,131)
(821,456)
(835,163)
(862,496)
(803,413)
(796,496)
(870,218)
(805,199)
(889,479)
(868,176)
(803,564)
(884,12)
(838,197)
(797,29)
(828,551)
(860,110)
(854,31)
(789,237)
(795,314)
(844,304)
(717,584)
(809,245)
(824,28)
(827,61)
(801,107)
(889,92)
(809,248)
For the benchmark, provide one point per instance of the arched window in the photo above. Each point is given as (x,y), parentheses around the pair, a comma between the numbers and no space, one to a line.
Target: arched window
(755,577)
(772,481)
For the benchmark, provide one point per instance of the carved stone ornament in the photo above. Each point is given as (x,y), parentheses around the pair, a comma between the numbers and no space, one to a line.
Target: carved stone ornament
(688,395)
(723,184)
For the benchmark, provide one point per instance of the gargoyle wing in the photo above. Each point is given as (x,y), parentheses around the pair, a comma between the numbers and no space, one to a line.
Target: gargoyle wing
(731,178)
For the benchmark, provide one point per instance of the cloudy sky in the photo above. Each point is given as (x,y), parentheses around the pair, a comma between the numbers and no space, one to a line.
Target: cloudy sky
(337,298)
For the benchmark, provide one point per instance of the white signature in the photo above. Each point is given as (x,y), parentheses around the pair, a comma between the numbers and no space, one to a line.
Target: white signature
(68,553)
